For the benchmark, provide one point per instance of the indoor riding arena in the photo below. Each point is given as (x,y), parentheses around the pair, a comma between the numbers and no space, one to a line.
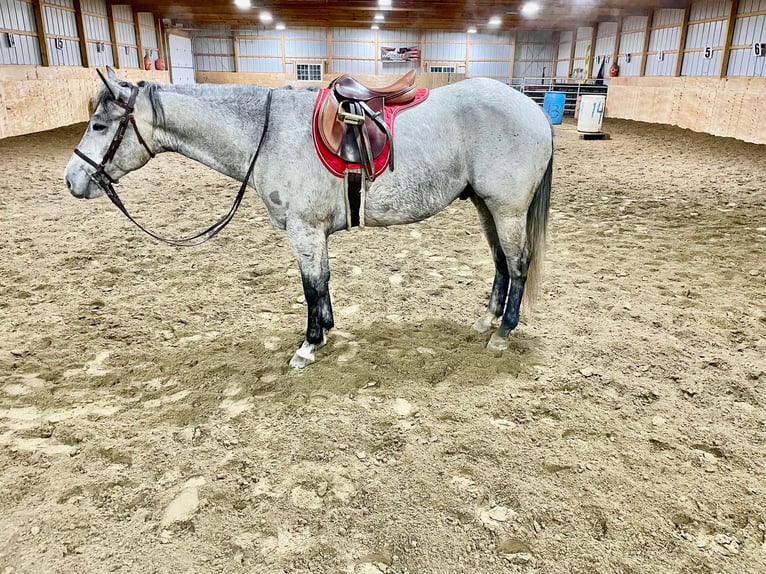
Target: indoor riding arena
(191,410)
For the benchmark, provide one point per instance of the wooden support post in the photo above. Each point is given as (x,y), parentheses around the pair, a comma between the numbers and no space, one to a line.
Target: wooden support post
(235,45)
(80,19)
(139,43)
(284,61)
(512,62)
(329,40)
(722,73)
(682,42)
(377,51)
(572,53)
(645,49)
(556,44)
(467,53)
(113,34)
(42,38)
(593,38)
(617,41)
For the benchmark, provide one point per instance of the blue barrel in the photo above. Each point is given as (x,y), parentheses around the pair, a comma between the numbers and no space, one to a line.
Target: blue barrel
(553,105)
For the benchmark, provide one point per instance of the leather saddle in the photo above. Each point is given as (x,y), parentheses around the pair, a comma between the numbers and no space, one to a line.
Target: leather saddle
(351,121)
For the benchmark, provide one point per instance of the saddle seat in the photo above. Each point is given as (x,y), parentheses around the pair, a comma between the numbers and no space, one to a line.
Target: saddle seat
(400,92)
(351,123)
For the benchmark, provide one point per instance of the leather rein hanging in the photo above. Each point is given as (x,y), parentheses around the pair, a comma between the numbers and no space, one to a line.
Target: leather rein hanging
(106,182)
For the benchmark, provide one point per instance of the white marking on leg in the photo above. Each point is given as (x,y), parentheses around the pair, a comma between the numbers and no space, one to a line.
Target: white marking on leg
(485,323)
(497,343)
(304,356)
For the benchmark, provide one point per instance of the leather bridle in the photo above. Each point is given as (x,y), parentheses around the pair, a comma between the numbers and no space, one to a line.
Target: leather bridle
(106,182)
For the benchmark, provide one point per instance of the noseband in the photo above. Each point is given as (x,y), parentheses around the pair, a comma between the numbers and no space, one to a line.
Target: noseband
(106,182)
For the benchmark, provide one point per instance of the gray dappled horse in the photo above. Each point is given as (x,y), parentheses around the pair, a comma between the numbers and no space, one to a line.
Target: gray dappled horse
(476,139)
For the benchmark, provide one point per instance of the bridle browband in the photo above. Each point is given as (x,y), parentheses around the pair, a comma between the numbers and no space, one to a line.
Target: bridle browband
(106,182)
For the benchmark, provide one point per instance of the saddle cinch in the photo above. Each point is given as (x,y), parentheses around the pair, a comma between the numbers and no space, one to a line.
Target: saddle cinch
(352,124)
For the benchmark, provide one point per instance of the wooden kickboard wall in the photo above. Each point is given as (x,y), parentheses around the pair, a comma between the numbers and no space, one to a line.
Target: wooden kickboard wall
(728,107)
(37,98)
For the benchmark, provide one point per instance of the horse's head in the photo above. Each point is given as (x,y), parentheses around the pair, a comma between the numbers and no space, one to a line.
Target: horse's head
(119,138)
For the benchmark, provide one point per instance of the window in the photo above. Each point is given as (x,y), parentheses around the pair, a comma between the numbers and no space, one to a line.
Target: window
(309,72)
(442,69)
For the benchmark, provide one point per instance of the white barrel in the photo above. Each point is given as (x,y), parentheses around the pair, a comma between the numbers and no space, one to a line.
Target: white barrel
(591,114)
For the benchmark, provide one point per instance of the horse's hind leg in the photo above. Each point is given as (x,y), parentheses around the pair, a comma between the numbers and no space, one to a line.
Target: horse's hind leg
(310,248)
(511,232)
(502,278)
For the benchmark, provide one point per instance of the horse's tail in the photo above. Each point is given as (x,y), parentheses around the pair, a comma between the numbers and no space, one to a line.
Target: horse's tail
(537,224)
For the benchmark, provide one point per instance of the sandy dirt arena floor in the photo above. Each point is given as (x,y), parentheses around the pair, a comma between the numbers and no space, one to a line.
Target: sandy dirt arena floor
(149,422)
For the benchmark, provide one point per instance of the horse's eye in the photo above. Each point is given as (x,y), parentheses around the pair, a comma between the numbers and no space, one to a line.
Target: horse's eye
(99,127)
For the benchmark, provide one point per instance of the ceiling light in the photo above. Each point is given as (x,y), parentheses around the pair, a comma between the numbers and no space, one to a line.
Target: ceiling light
(495,21)
(266,17)
(379,17)
(280,26)
(242,4)
(374,27)
(471,30)
(384,4)
(530,9)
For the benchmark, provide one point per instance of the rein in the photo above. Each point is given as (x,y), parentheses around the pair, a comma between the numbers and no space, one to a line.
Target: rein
(106,182)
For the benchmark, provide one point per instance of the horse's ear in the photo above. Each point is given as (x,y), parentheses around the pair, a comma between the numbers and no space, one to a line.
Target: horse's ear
(112,75)
(112,86)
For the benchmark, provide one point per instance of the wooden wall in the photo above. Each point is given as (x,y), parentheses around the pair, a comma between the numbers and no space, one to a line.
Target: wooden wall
(38,98)
(728,107)
(276,80)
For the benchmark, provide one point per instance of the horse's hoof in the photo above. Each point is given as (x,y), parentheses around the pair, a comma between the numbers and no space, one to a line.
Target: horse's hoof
(303,357)
(497,343)
(483,324)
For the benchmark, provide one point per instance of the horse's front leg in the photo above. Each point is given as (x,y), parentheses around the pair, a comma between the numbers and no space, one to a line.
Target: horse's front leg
(310,247)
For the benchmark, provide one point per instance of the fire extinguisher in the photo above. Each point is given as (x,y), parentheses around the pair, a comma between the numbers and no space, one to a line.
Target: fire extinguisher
(147,61)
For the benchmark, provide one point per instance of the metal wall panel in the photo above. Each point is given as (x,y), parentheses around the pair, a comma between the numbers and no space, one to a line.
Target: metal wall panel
(62,3)
(353,66)
(709,9)
(664,39)
(126,33)
(351,50)
(706,34)
(749,30)
(122,12)
(313,33)
(399,37)
(214,63)
(353,34)
(583,41)
(490,69)
(268,47)
(17,16)
(666,67)
(148,32)
(306,43)
(398,69)
(26,51)
(59,22)
(260,65)
(100,58)
(97,28)
(67,55)
(631,44)
(750,6)
(634,24)
(444,52)
(128,57)
(94,6)
(490,52)
(668,17)
(695,64)
(743,63)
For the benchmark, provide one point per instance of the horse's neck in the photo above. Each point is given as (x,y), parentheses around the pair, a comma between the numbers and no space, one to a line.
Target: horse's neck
(218,126)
